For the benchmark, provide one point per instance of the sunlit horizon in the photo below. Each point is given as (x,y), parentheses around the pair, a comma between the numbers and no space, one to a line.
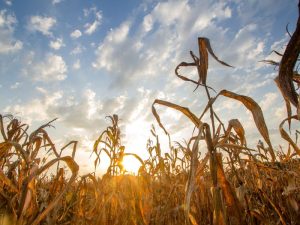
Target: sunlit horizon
(84,61)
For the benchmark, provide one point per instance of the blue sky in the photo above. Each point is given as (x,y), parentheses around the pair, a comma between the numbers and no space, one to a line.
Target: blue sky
(82,60)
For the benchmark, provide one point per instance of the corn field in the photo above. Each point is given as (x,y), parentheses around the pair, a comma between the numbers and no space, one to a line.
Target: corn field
(229,183)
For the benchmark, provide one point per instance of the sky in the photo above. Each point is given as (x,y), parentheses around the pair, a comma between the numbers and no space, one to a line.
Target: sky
(82,60)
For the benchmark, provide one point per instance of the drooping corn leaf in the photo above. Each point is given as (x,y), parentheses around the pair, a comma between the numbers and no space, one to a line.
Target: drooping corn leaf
(183,110)
(287,137)
(287,65)
(257,115)
(287,102)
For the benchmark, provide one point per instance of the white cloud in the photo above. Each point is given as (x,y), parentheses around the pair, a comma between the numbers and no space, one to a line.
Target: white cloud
(8,47)
(76,34)
(148,23)
(52,68)
(120,34)
(41,24)
(8,44)
(90,28)
(57,44)
(76,65)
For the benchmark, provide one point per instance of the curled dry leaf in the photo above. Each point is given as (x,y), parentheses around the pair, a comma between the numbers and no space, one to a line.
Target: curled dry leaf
(201,63)
(209,48)
(238,128)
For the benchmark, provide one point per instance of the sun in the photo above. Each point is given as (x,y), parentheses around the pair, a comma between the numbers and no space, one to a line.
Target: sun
(131,164)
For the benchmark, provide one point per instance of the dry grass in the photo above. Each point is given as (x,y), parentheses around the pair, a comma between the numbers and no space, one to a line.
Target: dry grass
(230,183)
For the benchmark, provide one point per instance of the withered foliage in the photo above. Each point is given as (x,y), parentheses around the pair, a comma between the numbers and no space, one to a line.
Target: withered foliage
(228,183)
